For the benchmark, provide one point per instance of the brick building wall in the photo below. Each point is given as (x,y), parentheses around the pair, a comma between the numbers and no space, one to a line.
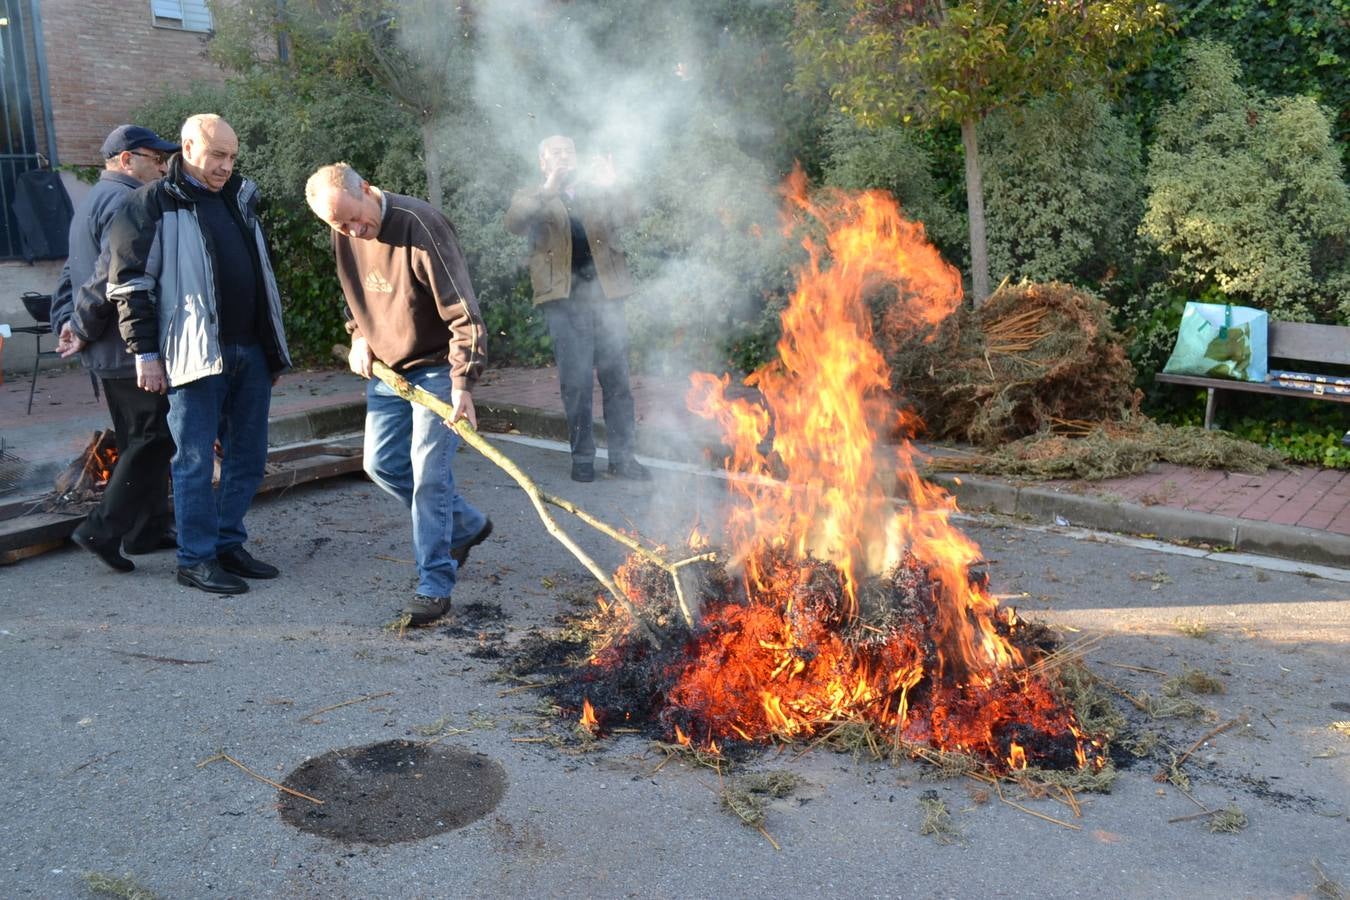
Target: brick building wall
(105,59)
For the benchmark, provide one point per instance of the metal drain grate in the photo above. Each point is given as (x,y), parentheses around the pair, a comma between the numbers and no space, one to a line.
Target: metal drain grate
(12,469)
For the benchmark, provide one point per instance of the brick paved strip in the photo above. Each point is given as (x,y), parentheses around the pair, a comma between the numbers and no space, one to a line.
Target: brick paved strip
(1242,499)
(1308,493)
(1277,496)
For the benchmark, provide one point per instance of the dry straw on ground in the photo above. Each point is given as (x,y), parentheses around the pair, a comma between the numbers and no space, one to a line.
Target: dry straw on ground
(1038,380)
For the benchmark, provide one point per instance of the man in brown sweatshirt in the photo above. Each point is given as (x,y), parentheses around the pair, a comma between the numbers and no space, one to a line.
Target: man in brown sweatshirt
(410,305)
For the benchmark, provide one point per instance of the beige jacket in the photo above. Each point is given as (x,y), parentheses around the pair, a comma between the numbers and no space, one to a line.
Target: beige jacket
(543,220)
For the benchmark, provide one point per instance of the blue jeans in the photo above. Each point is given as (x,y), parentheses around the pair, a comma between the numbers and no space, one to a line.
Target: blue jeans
(231,407)
(408,452)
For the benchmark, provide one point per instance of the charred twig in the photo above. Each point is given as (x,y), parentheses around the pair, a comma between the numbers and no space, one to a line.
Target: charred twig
(417,395)
(1031,812)
(319,712)
(163,659)
(1213,733)
(1203,814)
(1070,652)
(252,774)
(1144,669)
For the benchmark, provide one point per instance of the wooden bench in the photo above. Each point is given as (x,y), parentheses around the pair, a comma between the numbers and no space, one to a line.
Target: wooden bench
(1295,341)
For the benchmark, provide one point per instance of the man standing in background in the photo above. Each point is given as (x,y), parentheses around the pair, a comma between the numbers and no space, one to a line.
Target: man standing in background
(412,307)
(199,307)
(580,278)
(133,513)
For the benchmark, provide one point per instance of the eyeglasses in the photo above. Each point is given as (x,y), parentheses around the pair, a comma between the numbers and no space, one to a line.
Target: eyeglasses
(159,158)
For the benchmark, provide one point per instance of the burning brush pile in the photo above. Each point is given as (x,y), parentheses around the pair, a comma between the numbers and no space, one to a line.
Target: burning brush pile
(828,603)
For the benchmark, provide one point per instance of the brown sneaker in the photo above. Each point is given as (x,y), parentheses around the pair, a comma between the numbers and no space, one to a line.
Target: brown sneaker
(460,554)
(421,610)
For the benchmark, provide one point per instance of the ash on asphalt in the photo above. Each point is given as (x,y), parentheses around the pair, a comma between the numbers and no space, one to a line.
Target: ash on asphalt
(392,791)
(475,622)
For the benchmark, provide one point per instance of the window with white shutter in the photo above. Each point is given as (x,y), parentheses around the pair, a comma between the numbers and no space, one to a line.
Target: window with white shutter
(189,15)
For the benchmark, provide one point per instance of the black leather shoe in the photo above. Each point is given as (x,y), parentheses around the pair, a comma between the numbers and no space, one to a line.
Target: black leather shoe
(105,550)
(210,577)
(460,554)
(166,541)
(630,469)
(239,561)
(583,471)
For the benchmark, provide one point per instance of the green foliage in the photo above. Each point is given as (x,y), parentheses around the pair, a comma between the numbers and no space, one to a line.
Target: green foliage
(707,253)
(958,61)
(1246,195)
(1284,47)
(1063,190)
(516,330)
(894,159)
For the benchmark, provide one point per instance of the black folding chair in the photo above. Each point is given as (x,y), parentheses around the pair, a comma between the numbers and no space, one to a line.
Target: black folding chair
(39,306)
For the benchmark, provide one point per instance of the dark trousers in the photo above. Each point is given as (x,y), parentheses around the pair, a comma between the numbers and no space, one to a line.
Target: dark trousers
(590,334)
(135,502)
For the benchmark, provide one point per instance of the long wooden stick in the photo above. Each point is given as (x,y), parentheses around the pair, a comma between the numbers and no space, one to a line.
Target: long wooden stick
(407,391)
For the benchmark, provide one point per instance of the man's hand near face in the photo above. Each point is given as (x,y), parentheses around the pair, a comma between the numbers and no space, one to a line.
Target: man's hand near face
(602,173)
(559,176)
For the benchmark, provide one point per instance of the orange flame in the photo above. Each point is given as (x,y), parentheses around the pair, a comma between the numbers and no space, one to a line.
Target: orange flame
(697,539)
(828,393)
(588,719)
(823,490)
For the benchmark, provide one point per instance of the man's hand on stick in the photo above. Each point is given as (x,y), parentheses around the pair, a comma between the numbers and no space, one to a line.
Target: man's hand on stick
(462,404)
(360,358)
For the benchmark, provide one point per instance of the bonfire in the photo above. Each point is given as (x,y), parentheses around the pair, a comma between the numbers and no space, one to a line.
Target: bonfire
(841,592)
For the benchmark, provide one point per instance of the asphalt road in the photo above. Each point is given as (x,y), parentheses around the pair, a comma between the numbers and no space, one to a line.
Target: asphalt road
(118,686)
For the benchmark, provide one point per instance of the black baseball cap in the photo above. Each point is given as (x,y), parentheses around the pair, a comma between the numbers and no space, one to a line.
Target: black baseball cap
(134,137)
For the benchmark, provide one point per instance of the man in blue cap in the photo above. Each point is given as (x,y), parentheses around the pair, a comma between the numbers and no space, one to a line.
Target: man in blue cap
(134,510)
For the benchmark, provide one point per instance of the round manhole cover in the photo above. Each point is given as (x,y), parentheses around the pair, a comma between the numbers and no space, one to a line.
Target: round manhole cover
(391,792)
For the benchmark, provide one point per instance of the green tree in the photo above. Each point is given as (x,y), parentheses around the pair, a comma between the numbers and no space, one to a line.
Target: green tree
(1247,195)
(896,61)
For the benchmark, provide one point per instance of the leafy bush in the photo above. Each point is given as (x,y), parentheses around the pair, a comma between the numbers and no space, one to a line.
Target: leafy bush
(895,159)
(1246,195)
(1063,190)
(1284,47)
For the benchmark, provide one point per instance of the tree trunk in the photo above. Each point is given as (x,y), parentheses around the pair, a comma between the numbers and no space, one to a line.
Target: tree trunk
(979,248)
(433,164)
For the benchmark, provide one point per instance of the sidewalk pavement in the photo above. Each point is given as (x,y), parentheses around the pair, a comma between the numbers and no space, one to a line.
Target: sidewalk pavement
(1300,514)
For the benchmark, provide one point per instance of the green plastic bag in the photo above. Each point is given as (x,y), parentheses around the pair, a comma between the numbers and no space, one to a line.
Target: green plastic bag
(1219,340)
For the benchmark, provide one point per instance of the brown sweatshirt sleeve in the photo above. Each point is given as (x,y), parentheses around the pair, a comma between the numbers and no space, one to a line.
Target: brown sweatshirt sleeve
(447,274)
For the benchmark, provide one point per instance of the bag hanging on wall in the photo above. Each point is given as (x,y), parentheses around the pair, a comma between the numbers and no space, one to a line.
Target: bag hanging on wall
(1219,340)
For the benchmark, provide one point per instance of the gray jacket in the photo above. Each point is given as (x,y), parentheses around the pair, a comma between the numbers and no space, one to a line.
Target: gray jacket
(80,297)
(161,275)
